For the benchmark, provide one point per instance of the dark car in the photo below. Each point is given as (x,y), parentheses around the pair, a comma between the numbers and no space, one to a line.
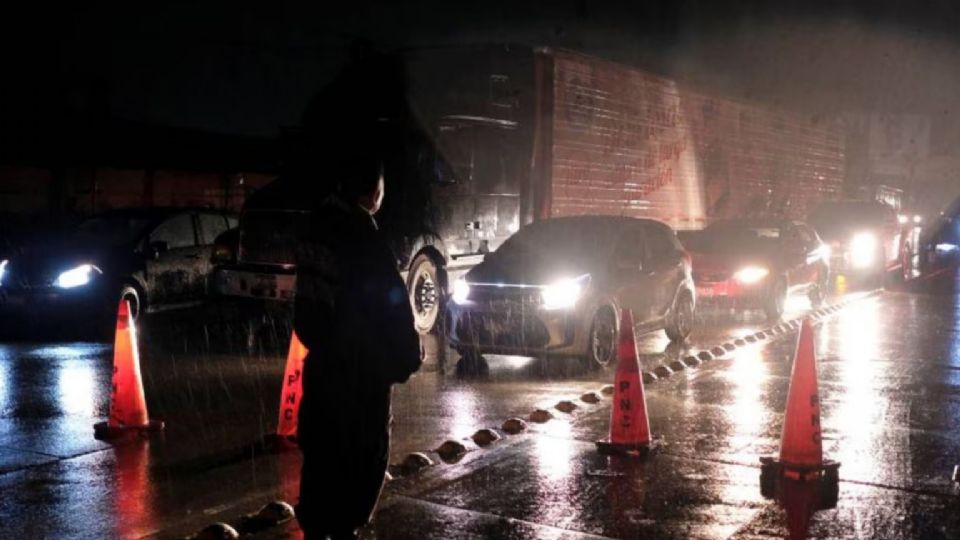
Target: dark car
(750,263)
(152,257)
(557,287)
(864,237)
(939,244)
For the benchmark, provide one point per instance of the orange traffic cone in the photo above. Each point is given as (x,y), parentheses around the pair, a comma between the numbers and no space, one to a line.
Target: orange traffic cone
(292,390)
(629,425)
(128,407)
(801,446)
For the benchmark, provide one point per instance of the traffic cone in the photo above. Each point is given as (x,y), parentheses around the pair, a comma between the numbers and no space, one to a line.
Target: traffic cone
(629,425)
(801,446)
(128,406)
(292,390)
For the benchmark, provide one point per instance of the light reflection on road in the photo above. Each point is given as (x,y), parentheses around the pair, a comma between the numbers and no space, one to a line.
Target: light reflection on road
(77,388)
(860,415)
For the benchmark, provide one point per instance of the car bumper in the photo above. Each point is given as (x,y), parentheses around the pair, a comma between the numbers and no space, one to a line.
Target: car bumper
(28,309)
(256,284)
(730,292)
(534,332)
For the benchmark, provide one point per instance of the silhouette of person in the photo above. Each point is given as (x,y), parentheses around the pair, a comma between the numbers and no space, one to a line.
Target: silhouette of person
(353,314)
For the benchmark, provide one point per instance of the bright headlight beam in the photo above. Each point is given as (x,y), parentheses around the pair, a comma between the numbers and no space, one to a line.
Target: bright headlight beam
(750,274)
(76,277)
(3,269)
(863,249)
(562,294)
(461,291)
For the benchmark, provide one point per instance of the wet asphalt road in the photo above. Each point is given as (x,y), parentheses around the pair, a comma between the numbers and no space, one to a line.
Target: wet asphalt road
(890,386)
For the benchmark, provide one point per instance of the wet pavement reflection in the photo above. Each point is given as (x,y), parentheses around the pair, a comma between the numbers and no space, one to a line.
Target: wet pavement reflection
(890,392)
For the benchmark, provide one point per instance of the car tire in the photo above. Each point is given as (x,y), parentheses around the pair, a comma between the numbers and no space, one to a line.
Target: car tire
(819,290)
(472,363)
(775,299)
(603,338)
(426,288)
(132,294)
(680,320)
(901,274)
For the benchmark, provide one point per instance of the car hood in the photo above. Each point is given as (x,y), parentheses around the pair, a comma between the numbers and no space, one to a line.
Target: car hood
(528,270)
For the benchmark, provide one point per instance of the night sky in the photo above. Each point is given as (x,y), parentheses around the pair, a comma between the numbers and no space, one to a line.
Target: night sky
(250,69)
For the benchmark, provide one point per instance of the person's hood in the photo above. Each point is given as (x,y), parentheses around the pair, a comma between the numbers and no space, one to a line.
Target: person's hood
(529,269)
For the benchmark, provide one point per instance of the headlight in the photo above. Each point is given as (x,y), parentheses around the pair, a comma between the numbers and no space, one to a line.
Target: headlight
(461,291)
(76,277)
(3,269)
(750,274)
(564,293)
(863,249)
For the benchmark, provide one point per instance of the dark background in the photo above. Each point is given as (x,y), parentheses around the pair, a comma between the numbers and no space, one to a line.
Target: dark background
(249,68)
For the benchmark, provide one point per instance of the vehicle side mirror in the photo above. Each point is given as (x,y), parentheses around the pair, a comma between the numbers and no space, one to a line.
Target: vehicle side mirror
(156,248)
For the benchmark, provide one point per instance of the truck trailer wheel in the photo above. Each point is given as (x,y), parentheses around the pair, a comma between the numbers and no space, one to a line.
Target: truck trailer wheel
(426,285)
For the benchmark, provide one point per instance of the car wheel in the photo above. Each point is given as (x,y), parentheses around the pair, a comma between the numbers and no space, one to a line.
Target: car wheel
(425,285)
(900,275)
(131,294)
(680,321)
(602,345)
(819,290)
(472,363)
(776,299)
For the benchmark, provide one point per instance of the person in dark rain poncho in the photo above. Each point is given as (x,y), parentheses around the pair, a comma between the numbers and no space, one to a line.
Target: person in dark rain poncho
(353,314)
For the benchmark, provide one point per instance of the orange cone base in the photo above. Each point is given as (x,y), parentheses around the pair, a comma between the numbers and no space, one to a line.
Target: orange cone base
(775,474)
(105,432)
(280,443)
(624,449)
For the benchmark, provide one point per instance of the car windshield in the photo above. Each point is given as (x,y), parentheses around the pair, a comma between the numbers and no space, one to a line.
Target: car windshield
(728,237)
(562,241)
(110,229)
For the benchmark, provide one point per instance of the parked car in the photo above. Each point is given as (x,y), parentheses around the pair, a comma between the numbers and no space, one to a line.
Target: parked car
(758,263)
(154,258)
(939,244)
(558,286)
(864,237)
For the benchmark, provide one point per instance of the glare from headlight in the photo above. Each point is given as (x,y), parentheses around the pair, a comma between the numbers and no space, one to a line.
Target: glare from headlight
(562,294)
(863,249)
(461,291)
(750,274)
(76,277)
(3,269)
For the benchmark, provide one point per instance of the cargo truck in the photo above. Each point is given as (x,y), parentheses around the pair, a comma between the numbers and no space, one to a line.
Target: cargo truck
(518,134)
